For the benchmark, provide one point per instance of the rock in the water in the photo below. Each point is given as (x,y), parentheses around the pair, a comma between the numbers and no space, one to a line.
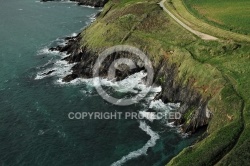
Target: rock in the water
(48,73)
(70,77)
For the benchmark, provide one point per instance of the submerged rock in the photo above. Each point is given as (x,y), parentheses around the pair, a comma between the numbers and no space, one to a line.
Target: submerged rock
(49,72)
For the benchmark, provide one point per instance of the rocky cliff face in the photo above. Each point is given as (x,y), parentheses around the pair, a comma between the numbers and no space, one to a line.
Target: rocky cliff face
(193,107)
(195,73)
(94,3)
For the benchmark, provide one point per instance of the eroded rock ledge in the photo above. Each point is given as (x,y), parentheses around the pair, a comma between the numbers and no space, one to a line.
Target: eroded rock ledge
(195,113)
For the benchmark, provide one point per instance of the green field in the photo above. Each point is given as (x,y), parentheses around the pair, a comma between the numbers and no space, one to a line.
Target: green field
(184,13)
(233,15)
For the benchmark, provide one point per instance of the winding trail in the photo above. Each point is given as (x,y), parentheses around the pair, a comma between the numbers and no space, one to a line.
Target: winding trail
(197,33)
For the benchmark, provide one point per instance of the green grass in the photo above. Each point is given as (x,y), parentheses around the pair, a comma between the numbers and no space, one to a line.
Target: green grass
(219,70)
(233,15)
(182,12)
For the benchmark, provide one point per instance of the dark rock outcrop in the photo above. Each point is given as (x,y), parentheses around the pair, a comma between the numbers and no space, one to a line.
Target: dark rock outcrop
(86,59)
(176,91)
(49,72)
(165,75)
(94,3)
(193,105)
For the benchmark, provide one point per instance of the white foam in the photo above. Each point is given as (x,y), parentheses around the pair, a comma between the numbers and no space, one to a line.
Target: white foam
(158,105)
(171,124)
(179,131)
(156,89)
(92,18)
(143,150)
(87,6)
(60,69)
(76,81)
(68,1)
(46,64)
(73,35)
(47,51)
(133,83)
(151,116)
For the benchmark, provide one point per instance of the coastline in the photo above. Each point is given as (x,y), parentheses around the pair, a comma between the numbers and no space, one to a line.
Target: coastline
(83,58)
(203,96)
(95,3)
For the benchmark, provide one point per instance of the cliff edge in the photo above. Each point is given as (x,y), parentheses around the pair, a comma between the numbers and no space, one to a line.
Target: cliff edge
(209,78)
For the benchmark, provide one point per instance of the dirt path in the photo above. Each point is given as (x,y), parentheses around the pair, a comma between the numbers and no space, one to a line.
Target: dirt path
(197,33)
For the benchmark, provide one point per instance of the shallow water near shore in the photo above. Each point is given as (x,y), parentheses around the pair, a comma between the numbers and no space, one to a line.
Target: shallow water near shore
(35,128)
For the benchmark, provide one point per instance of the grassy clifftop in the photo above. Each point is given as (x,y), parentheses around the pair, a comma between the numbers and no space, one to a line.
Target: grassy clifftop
(218,70)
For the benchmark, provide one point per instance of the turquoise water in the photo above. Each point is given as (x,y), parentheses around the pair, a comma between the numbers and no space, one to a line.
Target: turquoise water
(34,126)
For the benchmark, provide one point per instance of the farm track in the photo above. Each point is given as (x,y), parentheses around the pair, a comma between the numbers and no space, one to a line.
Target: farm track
(196,26)
(197,33)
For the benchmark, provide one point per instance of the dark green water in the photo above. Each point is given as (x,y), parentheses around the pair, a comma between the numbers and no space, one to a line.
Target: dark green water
(34,126)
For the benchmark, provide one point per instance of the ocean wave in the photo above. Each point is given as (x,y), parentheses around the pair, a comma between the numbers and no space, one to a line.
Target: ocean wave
(88,6)
(47,51)
(180,132)
(134,83)
(171,124)
(76,81)
(59,69)
(158,105)
(151,116)
(142,151)
(46,64)
(74,34)
(92,18)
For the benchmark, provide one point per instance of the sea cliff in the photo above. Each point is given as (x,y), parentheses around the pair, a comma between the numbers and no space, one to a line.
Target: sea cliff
(188,69)
(165,75)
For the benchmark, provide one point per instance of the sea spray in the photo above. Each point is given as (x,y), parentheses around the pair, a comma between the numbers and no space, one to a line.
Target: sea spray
(158,105)
(142,151)
(132,84)
(151,116)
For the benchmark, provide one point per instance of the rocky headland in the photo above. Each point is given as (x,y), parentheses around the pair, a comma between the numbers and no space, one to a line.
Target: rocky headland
(182,68)
(165,75)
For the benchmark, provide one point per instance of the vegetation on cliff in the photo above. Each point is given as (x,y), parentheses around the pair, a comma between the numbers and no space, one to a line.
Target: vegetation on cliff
(203,75)
(218,70)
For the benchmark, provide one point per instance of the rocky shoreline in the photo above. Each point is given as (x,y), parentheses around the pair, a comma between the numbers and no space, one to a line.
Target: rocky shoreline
(190,71)
(195,113)
(94,3)
(165,75)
